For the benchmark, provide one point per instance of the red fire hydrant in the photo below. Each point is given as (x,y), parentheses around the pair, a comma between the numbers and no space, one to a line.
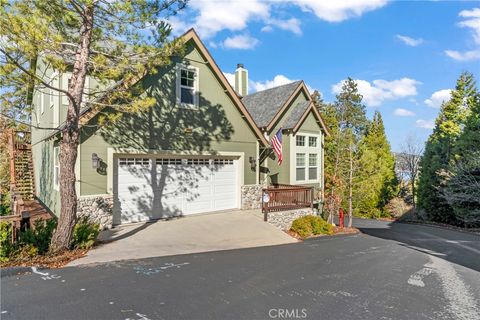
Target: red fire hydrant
(341,218)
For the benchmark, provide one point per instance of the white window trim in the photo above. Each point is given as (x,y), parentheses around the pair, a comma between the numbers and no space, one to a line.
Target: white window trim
(54,83)
(195,104)
(56,163)
(304,140)
(307,151)
(305,167)
(42,102)
(316,166)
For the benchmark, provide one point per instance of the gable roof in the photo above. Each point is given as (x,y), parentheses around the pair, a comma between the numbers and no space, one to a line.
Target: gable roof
(88,112)
(264,105)
(192,35)
(297,113)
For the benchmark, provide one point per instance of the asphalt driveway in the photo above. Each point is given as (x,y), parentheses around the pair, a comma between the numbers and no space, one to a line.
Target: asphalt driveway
(193,234)
(389,271)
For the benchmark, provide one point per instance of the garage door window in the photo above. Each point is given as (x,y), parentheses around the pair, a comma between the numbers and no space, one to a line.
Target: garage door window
(169,161)
(133,161)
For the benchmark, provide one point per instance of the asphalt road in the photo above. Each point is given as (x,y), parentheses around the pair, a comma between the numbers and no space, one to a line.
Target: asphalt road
(391,271)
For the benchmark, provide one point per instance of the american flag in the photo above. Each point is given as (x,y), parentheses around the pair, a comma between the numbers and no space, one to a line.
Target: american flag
(277,145)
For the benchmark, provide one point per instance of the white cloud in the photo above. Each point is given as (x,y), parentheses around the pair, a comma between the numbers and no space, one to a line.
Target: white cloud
(267,28)
(426,124)
(230,78)
(471,21)
(240,41)
(337,11)
(375,93)
(463,56)
(409,41)
(210,17)
(403,112)
(438,97)
(214,16)
(278,80)
(292,24)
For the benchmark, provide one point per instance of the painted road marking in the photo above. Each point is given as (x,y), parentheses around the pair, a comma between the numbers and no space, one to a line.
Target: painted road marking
(461,303)
(141,317)
(45,275)
(416,279)
(155,270)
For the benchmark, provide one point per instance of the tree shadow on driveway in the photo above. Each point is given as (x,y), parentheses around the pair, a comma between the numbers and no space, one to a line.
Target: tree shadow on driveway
(458,247)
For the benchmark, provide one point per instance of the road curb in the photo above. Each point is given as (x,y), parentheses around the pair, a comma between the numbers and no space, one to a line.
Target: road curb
(14,271)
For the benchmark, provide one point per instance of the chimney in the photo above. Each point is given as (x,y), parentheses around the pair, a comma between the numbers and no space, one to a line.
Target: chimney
(241,80)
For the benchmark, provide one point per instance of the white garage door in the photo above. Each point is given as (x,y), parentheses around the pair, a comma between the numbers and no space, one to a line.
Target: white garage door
(153,188)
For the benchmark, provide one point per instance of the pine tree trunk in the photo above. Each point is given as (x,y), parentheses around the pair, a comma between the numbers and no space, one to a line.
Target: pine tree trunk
(68,196)
(350,190)
(71,137)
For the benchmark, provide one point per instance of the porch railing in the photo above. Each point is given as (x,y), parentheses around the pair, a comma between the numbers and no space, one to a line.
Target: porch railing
(283,197)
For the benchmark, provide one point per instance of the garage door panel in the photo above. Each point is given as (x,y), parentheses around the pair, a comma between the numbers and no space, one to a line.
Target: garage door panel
(180,187)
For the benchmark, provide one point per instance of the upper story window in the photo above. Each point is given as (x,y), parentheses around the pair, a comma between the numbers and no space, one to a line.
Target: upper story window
(187,86)
(300,141)
(308,157)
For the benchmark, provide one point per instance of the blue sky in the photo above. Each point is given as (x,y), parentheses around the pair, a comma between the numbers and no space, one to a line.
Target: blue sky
(405,56)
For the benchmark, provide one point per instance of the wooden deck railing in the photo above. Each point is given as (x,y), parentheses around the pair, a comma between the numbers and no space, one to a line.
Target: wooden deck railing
(285,197)
(17,141)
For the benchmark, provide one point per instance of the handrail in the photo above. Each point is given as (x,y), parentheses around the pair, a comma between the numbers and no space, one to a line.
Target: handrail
(286,197)
(284,186)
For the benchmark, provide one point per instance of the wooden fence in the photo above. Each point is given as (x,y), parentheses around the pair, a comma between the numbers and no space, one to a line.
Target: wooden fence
(283,197)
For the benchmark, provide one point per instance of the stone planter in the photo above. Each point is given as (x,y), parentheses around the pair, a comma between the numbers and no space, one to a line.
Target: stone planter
(283,219)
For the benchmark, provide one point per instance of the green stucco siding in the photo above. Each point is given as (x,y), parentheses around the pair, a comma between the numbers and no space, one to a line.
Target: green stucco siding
(42,154)
(310,125)
(216,126)
(281,173)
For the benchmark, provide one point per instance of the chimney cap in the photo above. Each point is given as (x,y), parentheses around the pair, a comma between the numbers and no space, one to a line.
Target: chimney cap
(240,65)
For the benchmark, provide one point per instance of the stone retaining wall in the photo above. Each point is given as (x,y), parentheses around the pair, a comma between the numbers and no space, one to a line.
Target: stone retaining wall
(98,208)
(283,219)
(251,196)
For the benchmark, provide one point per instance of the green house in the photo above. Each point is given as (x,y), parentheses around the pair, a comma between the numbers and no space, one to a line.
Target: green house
(203,146)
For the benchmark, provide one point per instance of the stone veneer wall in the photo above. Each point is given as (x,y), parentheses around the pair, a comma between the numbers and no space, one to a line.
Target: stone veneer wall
(98,208)
(251,196)
(283,219)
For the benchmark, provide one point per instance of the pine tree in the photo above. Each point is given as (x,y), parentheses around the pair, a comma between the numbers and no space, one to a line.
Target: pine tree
(375,183)
(439,149)
(461,181)
(334,179)
(352,122)
(116,42)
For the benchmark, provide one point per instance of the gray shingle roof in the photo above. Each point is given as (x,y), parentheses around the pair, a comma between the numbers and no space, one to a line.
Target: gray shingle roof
(297,112)
(264,105)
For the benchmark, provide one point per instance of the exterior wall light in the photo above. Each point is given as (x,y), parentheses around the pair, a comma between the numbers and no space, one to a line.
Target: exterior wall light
(96,161)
